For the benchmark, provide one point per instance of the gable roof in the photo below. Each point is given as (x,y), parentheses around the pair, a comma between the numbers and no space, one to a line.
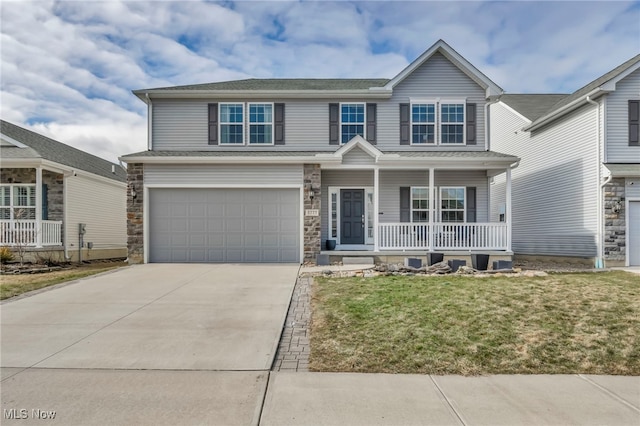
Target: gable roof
(42,147)
(601,85)
(324,88)
(531,106)
(448,52)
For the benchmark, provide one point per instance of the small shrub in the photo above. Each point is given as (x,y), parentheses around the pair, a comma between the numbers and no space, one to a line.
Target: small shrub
(6,255)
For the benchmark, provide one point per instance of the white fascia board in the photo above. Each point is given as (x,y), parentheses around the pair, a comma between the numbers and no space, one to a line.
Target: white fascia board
(508,108)
(611,84)
(268,94)
(12,141)
(449,163)
(565,109)
(358,141)
(55,167)
(231,160)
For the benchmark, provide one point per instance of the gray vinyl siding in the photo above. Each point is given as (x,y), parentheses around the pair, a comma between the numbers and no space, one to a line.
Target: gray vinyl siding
(182,125)
(221,175)
(436,78)
(554,189)
(102,206)
(632,188)
(357,157)
(390,183)
(617,124)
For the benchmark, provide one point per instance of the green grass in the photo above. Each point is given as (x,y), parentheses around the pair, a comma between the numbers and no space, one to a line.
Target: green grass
(13,285)
(560,324)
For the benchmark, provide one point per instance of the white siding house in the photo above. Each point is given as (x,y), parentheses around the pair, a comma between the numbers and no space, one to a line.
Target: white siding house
(48,189)
(574,191)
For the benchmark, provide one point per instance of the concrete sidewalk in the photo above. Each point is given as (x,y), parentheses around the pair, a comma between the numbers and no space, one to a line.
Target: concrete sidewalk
(386,399)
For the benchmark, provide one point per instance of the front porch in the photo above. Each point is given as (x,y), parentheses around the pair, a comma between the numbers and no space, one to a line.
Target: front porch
(30,233)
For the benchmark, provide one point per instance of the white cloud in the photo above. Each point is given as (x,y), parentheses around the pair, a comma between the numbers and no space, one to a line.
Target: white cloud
(68,67)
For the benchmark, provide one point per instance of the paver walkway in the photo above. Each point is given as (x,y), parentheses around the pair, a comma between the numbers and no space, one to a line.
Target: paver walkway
(293,351)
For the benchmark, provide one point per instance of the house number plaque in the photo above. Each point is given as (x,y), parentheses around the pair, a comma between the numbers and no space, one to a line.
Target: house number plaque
(312,212)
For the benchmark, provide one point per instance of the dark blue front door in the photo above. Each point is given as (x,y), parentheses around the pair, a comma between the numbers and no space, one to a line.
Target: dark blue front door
(352,216)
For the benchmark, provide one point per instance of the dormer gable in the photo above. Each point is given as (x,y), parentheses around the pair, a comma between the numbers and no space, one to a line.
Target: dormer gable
(491,88)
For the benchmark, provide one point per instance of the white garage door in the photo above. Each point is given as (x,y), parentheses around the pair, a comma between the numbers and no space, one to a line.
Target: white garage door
(224,225)
(634,233)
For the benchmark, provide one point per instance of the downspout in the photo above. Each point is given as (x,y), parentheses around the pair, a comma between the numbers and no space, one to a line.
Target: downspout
(149,121)
(599,264)
(65,209)
(487,127)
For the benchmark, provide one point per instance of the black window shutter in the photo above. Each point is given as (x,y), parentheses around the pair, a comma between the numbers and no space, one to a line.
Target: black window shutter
(334,123)
(213,124)
(371,122)
(278,115)
(405,204)
(471,124)
(45,204)
(405,121)
(634,123)
(471,204)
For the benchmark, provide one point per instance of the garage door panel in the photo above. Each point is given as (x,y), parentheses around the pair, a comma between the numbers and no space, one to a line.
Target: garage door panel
(224,225)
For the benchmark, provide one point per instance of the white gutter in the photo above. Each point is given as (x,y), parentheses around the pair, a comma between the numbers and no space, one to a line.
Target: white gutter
(567,108)
(149,121)
(267,94)
(599,202)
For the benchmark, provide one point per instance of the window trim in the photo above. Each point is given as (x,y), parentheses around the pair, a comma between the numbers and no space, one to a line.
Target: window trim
(435,121)
(12,207)
(249,123)
(464,203)
(223,123)
(340,123)
(441,122)
(438,102)
(411,188)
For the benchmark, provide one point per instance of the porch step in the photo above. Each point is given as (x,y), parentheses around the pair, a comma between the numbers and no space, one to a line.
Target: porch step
(357,261)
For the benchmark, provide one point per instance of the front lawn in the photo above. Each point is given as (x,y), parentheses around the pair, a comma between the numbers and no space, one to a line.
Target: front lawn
(560,324)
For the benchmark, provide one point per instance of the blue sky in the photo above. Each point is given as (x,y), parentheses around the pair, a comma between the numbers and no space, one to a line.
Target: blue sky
(68,67)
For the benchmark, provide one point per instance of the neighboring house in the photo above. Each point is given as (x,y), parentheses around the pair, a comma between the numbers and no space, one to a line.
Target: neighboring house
(270,170)
(576,192)
(47,189)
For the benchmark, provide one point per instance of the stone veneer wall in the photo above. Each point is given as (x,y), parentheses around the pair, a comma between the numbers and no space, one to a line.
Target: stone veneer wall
(614,223)
(312,181)
(135,207)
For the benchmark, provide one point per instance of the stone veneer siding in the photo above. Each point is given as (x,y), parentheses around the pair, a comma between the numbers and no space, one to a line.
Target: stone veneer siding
(614,223)
(135,210)
(312,227)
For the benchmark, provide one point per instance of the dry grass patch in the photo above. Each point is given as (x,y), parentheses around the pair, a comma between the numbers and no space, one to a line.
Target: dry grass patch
(560,324)
(13,285)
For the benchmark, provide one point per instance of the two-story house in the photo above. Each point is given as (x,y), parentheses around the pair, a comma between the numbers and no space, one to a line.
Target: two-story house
(280,170)
(576,192)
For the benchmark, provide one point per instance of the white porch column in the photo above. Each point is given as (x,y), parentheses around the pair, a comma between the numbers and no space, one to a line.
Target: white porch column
(508,208)
(38,207)
(432,206)
(376,208)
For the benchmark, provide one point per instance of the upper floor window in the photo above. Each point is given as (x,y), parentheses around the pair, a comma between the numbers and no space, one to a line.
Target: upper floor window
(436,122)
(18,202)
(261,123)
(423,123)
(231,123)
(452,123)
(352,121)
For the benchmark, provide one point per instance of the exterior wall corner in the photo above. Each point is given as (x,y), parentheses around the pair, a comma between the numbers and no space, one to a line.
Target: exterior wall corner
(312,223)
(135,213)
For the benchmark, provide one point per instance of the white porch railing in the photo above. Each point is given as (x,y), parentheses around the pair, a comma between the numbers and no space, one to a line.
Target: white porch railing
(25,233)
(446,236)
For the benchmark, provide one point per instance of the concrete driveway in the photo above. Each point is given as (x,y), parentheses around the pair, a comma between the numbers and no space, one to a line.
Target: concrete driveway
(72,350)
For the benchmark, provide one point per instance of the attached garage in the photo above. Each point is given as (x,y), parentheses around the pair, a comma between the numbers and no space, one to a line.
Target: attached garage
(224,225)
